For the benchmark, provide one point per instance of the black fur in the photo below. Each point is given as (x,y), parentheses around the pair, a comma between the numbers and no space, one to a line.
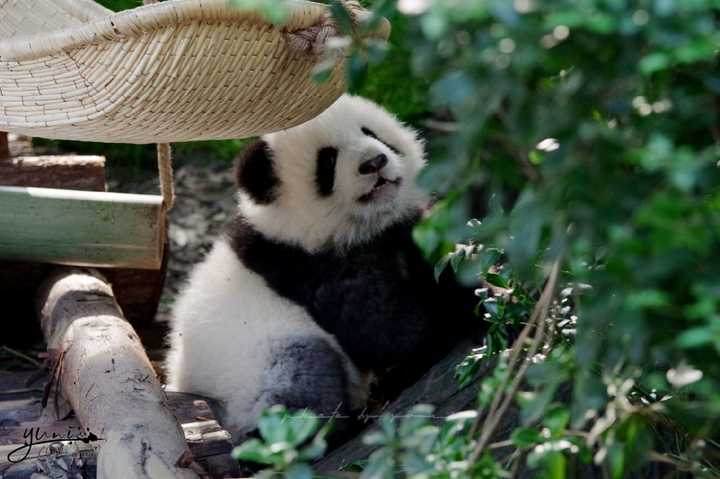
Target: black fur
(379,299)
(294,380)
(325,170)
(372,134)
(256,173)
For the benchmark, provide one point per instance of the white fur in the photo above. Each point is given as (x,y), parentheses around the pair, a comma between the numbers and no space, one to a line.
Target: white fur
(227,315)
(299,216)
(222,326)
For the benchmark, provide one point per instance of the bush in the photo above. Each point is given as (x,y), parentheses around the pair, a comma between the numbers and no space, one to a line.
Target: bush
(576,146)
(585,136)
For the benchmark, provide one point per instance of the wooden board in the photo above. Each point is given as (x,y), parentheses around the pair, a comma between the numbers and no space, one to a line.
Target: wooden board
(137,290)
(73,172)
(81,228)
(21,414)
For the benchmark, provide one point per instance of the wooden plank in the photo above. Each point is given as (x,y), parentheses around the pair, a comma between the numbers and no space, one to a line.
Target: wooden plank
(21,414)
(73,172)
(81,228)
(137,290)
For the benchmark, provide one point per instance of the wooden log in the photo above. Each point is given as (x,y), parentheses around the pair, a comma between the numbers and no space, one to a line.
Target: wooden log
(81,228)
(72,172)
(438,387)
(105,375)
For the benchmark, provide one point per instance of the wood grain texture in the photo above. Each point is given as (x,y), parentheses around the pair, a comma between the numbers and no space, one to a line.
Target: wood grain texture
(106,377)
(71,172)
(81,228)
(437,387)
(21,413)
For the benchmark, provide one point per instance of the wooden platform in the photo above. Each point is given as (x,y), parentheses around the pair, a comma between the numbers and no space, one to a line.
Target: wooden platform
(32,441)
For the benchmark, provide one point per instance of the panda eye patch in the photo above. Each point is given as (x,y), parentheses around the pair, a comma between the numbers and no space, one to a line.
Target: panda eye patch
(368,132)
(325,170)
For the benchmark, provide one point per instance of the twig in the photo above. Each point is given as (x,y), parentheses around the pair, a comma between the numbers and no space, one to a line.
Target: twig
(13,392)
(21,355)
(503,399)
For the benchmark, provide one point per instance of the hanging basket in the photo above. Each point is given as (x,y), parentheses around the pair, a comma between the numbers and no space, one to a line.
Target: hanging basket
(181,70)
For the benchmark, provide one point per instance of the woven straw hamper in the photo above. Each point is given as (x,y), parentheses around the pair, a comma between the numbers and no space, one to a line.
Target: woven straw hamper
(181,70)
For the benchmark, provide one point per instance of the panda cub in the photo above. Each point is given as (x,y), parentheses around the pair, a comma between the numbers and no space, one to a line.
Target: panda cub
(317,283)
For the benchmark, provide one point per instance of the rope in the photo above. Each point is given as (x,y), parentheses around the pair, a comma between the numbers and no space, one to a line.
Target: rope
(313,40)
(167,189)
(164,159)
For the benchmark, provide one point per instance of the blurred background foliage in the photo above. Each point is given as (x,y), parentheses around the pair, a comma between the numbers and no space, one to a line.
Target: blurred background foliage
(585,135)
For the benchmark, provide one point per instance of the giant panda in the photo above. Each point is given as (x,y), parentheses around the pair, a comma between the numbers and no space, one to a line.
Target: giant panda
(317,284)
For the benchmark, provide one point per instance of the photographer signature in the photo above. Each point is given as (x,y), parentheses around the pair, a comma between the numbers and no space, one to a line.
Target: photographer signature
(34,436)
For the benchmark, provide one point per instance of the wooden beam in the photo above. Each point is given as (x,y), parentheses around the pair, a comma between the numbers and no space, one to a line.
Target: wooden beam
(103,372)
(81,228)
(71,172)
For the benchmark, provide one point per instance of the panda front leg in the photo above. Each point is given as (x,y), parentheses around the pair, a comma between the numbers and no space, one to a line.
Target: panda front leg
(311,373)
(306,373)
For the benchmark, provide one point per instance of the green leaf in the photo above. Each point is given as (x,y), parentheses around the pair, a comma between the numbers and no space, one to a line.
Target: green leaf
(524,437)
(555,465)
(387,423)
(415,418)
(342,17)
(557,418)
(654,62)
(616,460)
(440,267)
(695,337)
(380,465)
(374,438)
(273,425)
(299,471)
(414,463)
(301,426)
(496,280)
(252,450)
(315,450)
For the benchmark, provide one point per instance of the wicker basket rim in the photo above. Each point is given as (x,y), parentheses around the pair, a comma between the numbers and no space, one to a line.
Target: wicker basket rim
(128,23)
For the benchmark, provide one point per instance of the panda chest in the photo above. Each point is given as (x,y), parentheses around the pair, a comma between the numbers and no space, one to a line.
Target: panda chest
(367,286)
(370,283)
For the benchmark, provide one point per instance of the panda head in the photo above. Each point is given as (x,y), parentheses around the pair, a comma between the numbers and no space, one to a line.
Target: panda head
(337,180)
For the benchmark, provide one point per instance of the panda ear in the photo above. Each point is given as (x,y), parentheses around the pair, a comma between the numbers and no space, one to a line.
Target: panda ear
(256,173)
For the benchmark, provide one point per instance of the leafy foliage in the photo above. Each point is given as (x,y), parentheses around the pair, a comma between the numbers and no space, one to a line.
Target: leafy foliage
(590,131)
(118,5)
(584,137)
(287,443)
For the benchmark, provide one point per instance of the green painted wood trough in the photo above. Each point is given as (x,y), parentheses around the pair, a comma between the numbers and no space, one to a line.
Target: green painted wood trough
(81,228)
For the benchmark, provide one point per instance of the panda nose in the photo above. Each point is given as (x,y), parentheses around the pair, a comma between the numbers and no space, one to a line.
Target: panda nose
(373,165)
